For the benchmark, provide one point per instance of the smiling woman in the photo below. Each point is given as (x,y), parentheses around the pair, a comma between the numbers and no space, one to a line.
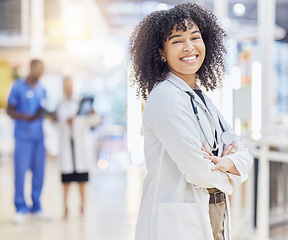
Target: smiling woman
(185,52)
(158,29)
(189,166)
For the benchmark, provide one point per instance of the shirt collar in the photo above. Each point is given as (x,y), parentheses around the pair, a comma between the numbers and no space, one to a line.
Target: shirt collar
(30,86)
(180,83)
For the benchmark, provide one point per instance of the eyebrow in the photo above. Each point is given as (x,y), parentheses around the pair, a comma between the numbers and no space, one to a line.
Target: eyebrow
(179,35)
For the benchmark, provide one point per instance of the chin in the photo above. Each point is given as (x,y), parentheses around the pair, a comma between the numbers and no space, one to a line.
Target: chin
(188,72)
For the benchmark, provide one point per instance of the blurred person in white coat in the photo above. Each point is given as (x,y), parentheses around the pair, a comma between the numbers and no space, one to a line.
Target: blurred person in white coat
(192,154)
(77,152)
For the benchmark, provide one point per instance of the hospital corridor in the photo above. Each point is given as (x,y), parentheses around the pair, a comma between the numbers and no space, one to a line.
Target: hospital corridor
(143,119)
(111,208)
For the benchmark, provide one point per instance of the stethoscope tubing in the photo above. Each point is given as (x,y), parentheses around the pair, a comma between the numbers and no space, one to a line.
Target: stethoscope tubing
(195,110)
(227,137)
(227,134)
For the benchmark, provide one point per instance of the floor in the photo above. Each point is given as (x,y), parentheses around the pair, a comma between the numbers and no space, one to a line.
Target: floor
(112,203)
(111,211)
(279,233)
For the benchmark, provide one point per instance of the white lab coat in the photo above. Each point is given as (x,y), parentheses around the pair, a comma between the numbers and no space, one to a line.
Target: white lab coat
(80,131)
(175,199)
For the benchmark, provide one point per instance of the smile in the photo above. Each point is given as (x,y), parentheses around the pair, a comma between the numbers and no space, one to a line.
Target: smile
(189,59)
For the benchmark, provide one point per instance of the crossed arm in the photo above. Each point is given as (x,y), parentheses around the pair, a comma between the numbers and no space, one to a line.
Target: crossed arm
(224,164)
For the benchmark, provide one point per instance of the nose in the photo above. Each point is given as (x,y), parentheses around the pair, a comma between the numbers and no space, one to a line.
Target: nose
(188,46)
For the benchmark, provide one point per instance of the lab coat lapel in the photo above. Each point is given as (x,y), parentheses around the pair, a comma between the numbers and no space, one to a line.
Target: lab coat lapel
(214,115)
(208,128)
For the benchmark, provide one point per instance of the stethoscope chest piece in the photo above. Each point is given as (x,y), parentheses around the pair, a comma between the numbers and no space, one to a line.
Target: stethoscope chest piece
(228,137)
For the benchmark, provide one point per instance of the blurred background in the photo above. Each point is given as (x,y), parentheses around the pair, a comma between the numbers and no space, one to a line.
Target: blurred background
(88,41)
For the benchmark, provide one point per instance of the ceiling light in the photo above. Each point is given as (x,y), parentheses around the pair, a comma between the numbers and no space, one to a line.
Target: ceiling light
(162,6)
(239,9)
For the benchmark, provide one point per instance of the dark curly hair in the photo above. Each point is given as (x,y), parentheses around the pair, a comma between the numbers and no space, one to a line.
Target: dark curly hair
(147,67)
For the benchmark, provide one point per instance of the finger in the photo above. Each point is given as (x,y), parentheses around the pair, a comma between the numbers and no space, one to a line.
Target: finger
(231,152)
(221,167)
(235,145)
(203,144)
(218,167)
(207,151)
(215,168)
(227,149)
(230,149)
(233,149)
(213,158)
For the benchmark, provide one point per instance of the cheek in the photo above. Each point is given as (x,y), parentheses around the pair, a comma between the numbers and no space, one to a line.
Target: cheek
(203,49)
(172,54)
(204,54)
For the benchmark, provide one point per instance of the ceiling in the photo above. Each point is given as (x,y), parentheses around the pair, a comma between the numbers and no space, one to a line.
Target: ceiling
(119,13)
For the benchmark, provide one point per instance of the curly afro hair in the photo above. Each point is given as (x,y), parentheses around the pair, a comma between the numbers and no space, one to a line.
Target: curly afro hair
(147,67)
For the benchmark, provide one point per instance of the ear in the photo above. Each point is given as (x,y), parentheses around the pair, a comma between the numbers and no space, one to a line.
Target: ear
(163,58)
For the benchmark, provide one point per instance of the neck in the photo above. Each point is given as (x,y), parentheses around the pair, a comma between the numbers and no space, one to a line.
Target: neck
(190,79)
(31,80)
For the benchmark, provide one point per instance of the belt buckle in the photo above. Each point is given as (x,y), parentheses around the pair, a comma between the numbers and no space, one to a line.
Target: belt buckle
(215,199)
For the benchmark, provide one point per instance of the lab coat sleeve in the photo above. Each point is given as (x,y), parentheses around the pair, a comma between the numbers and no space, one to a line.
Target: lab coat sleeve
(61,117)
(242,159)
(88,121)
(170,117)
(93,120)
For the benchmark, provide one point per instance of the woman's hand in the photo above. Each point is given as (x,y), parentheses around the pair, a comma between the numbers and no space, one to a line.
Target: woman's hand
(222,163)
(206,150)
(230,149)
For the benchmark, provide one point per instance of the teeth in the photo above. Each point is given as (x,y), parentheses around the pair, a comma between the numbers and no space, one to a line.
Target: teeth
(189,58)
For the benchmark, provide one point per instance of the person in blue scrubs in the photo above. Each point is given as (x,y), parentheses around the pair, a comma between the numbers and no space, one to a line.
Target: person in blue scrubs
(25,107)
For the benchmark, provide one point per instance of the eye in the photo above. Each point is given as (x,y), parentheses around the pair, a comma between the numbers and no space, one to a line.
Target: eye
(176,42)
(195,38)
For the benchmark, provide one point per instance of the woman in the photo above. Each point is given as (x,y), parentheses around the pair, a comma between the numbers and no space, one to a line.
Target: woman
(76,145)
(189,168)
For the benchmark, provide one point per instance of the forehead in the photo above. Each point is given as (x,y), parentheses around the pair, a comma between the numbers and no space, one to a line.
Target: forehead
(38,65)
(67,82)
(188,27)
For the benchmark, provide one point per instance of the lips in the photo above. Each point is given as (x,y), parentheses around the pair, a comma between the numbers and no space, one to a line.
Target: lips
(190,58)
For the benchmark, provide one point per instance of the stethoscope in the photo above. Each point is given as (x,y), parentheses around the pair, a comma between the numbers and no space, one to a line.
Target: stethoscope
(227,137)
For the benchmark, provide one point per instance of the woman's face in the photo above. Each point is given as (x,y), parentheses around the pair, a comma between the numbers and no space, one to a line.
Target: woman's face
(184,52)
